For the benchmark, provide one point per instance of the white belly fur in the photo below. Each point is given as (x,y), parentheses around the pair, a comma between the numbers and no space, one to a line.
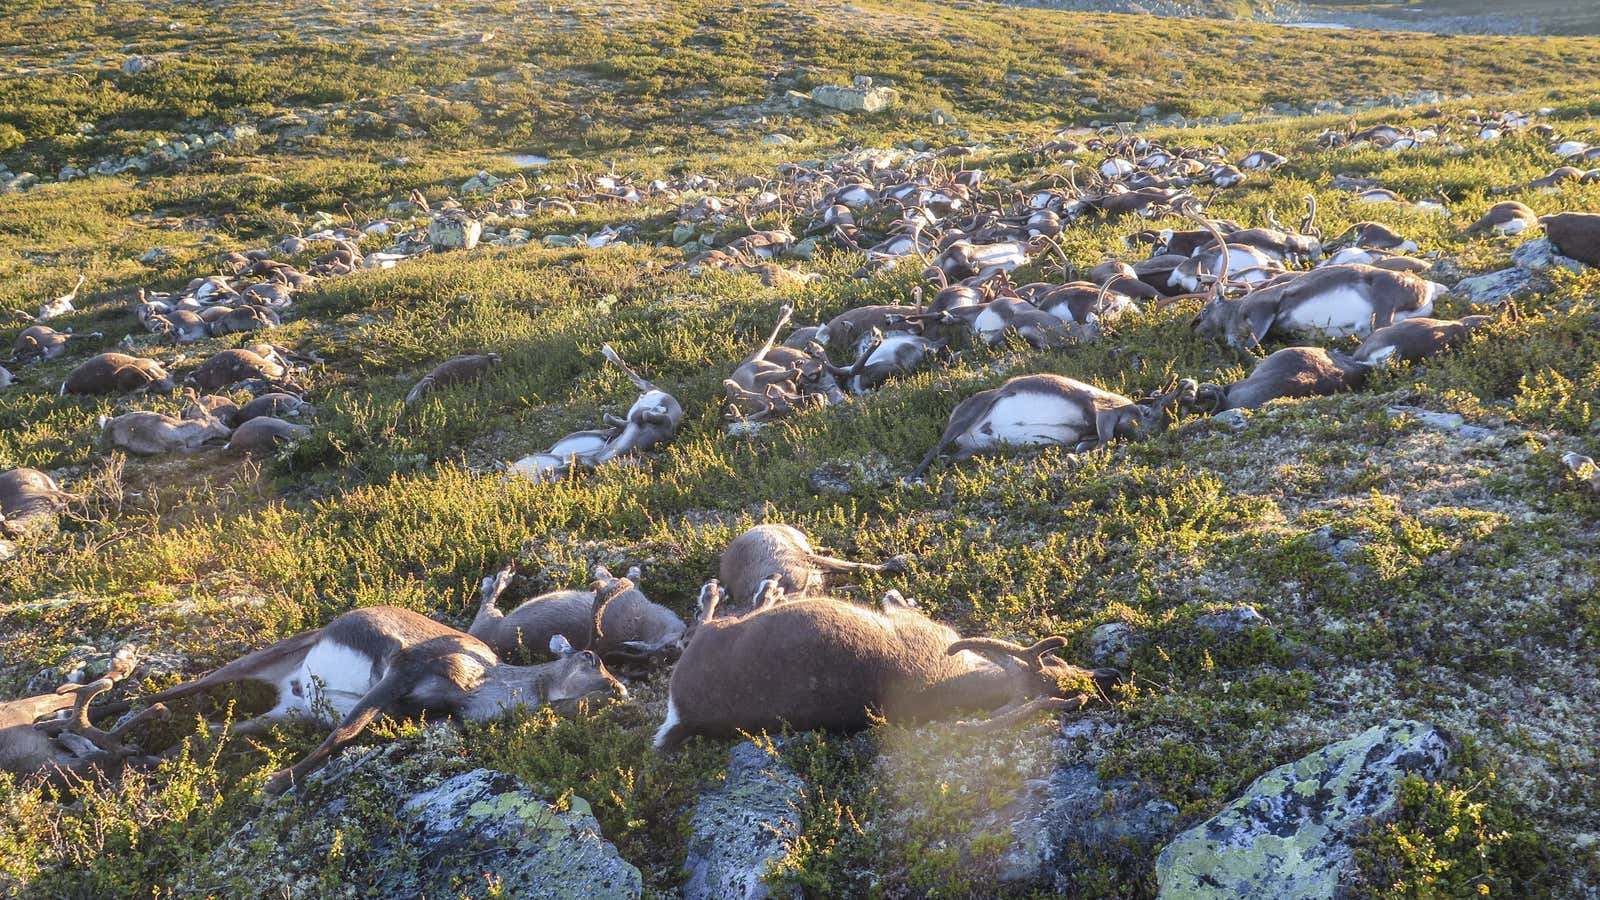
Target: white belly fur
(1028,420)
(334,676)
(1335,313)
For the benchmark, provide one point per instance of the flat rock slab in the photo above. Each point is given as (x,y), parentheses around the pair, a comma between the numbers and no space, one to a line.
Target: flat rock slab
(738,829)
(415,819)
(1289,835)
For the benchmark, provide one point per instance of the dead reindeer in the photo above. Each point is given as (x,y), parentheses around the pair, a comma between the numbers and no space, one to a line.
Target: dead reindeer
(783,552)
(230,367)
(455,370)
(51,737)
(1005,316)
(775,381)
(60,306)
(276,404)
(652,421)
(265,434)
(30,501)
(1575,235)
(384,660)
(1415,339)
(884,358)
(853,328)
(117,373)
(38,342)
(1332,302)
(1047,410)
(1290,372)
(241,319)
(1505,218)
(827,664)
(631,633)
(145,433)
(180,327)
(213,406)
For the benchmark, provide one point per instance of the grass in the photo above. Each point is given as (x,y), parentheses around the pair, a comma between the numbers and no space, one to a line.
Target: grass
(1465,595)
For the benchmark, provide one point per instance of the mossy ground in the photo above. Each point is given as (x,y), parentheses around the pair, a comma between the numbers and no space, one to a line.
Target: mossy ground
(1466,597)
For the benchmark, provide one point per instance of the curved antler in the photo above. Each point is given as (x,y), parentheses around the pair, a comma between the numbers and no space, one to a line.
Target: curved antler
(602,598)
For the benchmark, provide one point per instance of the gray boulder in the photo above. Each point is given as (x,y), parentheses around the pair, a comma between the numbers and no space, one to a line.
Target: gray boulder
(1073,822)
(454,232)
(1290,833)
(412,819)
(1539,255)
(738,829)
(1495,287)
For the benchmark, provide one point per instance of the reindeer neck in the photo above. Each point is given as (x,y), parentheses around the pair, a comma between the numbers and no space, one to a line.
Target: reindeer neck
(985,686)
(506,687)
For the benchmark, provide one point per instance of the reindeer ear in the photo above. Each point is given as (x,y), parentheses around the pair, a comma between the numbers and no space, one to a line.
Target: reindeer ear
(560,646)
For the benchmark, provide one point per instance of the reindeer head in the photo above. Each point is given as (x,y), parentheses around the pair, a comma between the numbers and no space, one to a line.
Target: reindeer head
(1041,680)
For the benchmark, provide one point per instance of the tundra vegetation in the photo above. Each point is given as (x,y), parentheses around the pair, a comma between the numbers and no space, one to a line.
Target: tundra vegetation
(1405,569)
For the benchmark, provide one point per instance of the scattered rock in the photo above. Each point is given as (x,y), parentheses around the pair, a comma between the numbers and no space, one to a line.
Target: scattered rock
(133,65)
(1495,287)
(480,183)
(737,830)
(1439,421)
(1233,621)
(1289,834)
(940,117)
(413,818)
(778,139)
(1072,822)
(1232,419)
(830,478)
(862,97)
(1113,644)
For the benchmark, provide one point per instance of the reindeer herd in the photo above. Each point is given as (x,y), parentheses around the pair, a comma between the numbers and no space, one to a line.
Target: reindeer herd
(770,644)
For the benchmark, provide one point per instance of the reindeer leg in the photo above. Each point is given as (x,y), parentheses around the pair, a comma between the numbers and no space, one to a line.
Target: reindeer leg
(383,695)
(769,594)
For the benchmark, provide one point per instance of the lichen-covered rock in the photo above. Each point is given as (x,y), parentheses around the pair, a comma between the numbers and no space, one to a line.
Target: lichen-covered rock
(738,829)
(413,818)
(1233,621)
(1290,833)
(1112,644)
(454,232)
(862,97)
(1539,255)
(1495,287)
(1073,821)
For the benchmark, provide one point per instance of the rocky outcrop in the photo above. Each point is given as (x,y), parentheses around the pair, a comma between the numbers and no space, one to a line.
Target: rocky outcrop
(861,97)
(1290,834)
(739,828)
(414,819)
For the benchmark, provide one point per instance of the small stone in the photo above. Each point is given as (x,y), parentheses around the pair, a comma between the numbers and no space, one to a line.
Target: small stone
(1113,644)
(778,139)
(1232,419)
(830,478)
(133,65)
(940,117)
(1233,621)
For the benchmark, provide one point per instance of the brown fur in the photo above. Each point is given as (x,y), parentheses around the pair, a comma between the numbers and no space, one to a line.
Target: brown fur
(116,373)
